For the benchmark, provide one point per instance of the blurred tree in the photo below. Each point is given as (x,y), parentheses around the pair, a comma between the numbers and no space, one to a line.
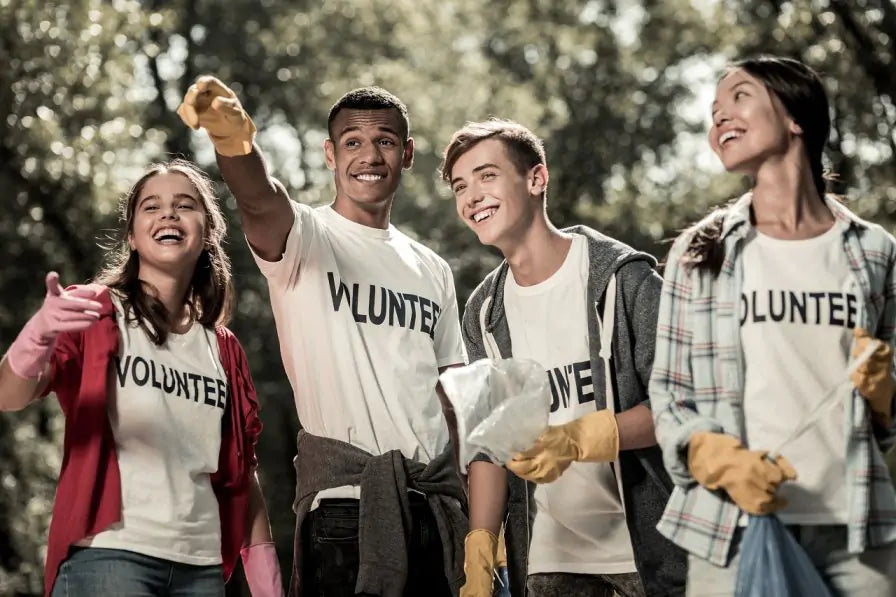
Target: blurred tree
(853,47)
(64,128)
(613,76)
(619,89)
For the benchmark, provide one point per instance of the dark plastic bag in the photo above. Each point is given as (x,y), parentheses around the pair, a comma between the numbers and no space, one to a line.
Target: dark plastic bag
(502,584)
(772,563)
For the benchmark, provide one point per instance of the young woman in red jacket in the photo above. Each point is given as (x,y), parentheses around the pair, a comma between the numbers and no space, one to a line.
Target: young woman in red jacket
(157,493)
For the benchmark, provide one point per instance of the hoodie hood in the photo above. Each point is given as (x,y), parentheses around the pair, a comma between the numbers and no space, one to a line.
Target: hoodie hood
(605,256)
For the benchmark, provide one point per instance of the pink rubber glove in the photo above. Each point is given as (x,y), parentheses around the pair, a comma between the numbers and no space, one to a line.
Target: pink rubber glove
(62,311)
(262,570)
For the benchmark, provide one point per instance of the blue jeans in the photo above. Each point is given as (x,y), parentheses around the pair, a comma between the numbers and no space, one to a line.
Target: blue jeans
(93,571)
(331,556)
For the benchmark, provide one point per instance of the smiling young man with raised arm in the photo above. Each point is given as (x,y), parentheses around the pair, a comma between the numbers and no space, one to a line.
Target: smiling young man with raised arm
(554,300)
(367,318)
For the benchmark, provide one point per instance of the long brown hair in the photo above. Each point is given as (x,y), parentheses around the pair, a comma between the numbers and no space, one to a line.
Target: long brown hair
(210,296)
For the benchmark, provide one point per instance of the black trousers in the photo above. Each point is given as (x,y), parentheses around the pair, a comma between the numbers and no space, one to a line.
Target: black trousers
(330,551)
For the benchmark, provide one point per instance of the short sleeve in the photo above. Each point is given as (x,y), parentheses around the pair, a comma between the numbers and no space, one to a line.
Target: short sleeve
(447,339)
(304,229)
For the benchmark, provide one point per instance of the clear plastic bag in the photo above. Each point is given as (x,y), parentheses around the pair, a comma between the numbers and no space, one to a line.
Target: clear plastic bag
(501,407)
(773,563)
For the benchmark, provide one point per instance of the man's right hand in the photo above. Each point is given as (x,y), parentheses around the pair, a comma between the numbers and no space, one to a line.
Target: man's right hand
(719,461)
(480,548)
(212,105)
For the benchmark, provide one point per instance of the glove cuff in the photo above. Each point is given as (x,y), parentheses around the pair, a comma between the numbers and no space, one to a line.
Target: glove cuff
(30,352)
(707,451)
(237,144)
(483,543)
(597,437)
(262,569)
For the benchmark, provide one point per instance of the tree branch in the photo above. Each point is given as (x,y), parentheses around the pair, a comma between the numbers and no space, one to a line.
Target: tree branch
(865,53)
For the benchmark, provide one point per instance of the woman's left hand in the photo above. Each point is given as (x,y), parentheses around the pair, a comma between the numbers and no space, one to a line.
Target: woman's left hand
(262,570)
(874,378)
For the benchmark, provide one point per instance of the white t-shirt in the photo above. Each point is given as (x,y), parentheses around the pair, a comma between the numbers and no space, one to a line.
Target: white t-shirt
(165,405)
(580,525)
(365,318)
(798,307)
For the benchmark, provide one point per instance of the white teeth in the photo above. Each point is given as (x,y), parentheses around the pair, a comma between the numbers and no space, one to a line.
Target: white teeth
(369,177)
(728,136)
(484,214)
(168,234)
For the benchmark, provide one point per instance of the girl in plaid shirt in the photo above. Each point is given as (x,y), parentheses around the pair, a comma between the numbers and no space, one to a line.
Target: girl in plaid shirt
(763,304)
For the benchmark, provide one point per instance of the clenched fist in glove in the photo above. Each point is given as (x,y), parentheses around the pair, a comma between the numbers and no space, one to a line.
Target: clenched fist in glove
(874,378)
(212,105)
(592,438)
(63,311)
(719,461)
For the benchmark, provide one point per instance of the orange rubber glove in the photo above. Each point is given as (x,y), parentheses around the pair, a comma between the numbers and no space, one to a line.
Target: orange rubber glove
(480,547)
(592,438)
(874,378)
(719,461)
(212,105)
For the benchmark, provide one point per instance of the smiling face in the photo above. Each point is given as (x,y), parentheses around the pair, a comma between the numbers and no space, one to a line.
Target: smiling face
(493,198)
(168,225)
(367,155)
(749,124)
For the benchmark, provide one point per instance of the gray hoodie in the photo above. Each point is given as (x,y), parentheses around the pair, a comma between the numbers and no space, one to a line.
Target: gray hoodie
(646,485)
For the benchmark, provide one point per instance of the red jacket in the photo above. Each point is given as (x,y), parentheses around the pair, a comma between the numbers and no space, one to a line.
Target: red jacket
(88,497)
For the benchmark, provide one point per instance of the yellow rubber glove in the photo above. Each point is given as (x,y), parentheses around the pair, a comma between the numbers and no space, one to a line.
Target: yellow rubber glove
(212,105)
(874,377)
(479,563)
(719,461)
(592,438)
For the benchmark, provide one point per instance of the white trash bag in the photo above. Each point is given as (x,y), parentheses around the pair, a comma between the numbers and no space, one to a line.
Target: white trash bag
(501,406)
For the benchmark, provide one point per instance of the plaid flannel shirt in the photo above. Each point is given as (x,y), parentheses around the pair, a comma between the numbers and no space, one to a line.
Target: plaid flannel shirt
(698,379)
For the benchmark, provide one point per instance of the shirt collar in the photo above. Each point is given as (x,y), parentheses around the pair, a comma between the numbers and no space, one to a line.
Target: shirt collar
(737,219)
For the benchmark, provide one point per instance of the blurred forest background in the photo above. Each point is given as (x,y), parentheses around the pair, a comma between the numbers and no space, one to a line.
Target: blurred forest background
(620,91)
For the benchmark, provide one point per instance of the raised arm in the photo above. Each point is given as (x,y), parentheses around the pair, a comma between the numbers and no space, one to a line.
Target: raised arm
(266,214)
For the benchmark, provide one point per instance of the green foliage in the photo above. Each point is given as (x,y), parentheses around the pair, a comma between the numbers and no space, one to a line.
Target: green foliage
(619,89)
(851,45)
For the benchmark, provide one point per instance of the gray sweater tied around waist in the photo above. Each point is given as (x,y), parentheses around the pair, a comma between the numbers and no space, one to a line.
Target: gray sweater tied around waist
(384,510)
